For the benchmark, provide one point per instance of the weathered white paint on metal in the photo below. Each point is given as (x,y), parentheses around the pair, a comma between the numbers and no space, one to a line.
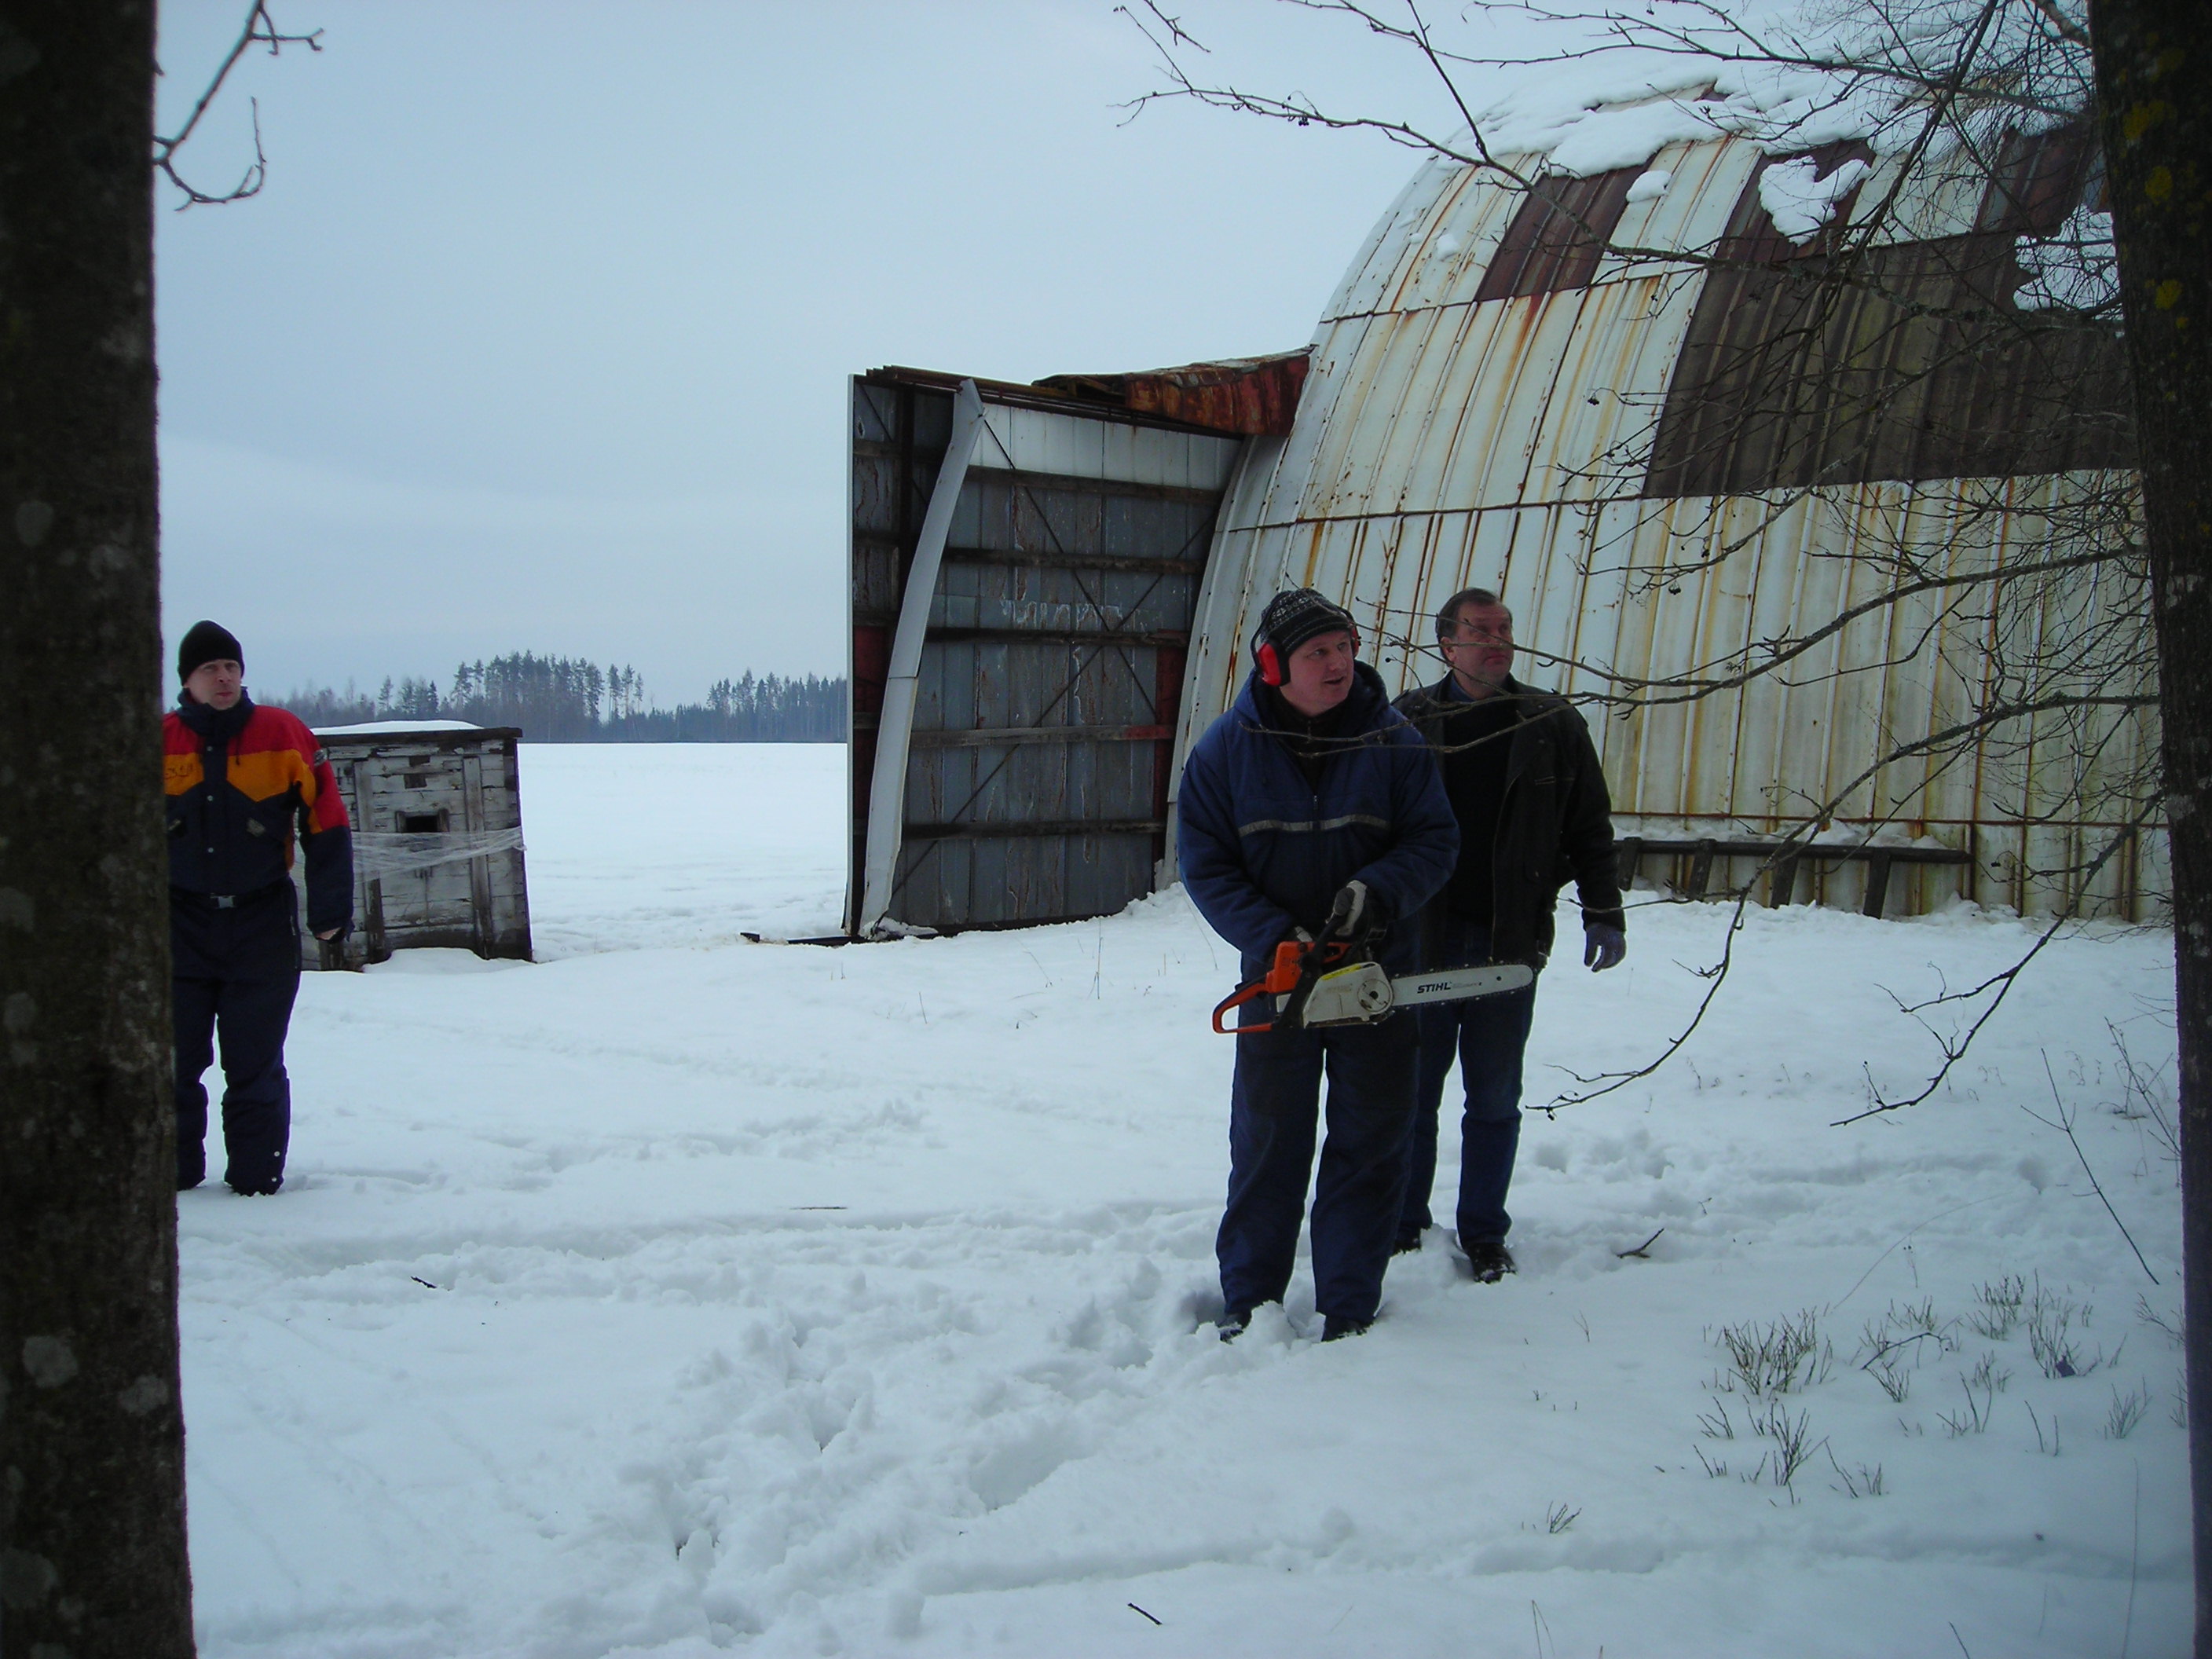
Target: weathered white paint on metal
(1441,444)
(887,783)
(1023,439)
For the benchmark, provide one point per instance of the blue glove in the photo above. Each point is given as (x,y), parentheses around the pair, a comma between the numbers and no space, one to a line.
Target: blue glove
(1602,946)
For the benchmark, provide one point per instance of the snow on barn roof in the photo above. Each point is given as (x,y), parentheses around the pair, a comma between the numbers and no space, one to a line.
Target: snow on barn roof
(1789,83)
(1589,121)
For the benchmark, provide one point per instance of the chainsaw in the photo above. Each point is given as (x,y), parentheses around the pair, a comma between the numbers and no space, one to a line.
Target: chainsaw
(1327,982)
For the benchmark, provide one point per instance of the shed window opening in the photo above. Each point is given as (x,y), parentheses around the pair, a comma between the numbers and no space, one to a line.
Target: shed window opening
(1558,235)
(421,823)
(414,780)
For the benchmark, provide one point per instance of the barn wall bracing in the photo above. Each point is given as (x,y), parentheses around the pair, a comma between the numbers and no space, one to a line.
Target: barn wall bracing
(1047,664)
(1489,403)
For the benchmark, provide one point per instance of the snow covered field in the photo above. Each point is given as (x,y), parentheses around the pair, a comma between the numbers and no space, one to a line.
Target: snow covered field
(676,1295)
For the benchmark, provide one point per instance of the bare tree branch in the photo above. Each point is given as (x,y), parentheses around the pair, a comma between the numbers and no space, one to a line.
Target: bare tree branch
(2065,1126)
(260,30)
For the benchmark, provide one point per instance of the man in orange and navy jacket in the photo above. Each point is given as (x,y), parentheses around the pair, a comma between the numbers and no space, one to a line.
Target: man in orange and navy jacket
(238,778)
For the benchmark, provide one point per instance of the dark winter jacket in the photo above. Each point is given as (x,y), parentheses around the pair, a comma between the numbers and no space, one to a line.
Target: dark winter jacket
(238,781)
(1263,851)
(1554,825)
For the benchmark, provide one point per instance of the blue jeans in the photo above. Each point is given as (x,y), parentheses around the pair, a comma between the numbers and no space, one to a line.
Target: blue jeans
(1273,1112)
(1487,1036)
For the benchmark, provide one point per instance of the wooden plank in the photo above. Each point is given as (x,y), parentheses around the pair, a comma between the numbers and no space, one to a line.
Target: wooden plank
(1781,881)
(472,819)
(1046,560)
(1068,636)
(981,736)
(1060,827)
(1628,853)
(1701,868)
(1762,850)
(513,939)
(1877,889)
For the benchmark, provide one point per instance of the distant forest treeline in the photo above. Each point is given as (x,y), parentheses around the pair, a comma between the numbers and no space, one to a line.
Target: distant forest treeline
(558,699)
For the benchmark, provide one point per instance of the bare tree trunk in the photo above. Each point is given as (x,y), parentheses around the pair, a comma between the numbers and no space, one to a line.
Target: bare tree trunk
(92,1500)
(2153,59)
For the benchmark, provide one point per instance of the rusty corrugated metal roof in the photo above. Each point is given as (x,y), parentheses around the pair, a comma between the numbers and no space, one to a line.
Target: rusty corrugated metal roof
(1257,396)
(1915,367)
(1445,439)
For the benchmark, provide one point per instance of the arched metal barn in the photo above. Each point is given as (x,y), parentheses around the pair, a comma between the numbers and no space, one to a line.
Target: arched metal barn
(1671,469)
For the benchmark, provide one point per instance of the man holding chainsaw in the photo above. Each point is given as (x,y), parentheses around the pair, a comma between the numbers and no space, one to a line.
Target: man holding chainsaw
(1312,815)
(1522,777)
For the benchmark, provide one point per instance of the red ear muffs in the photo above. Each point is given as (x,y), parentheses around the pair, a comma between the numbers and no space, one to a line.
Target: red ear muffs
(1271,664)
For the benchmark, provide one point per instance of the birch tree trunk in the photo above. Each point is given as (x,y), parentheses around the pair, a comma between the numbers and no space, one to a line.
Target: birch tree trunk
(92,1500)
(2153,61)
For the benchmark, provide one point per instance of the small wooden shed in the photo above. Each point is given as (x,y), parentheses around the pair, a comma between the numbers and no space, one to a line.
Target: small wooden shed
(436,810)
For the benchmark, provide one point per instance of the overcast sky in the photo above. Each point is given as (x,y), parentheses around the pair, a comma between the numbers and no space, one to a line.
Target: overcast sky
(538,336)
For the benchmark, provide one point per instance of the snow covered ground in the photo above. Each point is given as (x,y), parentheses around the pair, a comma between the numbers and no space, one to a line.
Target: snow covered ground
(676,1295)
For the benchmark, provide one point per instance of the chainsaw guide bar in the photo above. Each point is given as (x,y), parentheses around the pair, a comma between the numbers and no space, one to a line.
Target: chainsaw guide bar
(1320,985)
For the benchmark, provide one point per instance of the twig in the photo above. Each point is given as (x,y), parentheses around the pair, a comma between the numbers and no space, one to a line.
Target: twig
(2150,1315)
(2135,1559)
(1889,1347)
(1906,1238)
(260,30)
(1639,1250)
(1955,1048)
(2065,1126)
(1134,1607)
(2072,32)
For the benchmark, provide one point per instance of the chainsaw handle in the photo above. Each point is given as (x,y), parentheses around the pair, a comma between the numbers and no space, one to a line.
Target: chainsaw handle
(1237,998)
(1296,961)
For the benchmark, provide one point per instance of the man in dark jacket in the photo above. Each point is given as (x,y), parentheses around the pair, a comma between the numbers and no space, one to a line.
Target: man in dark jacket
(1311,810)
(238,779)
(1522,777)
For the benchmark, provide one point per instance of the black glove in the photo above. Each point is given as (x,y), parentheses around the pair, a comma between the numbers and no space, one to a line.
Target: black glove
(1357,913)
(1604,946)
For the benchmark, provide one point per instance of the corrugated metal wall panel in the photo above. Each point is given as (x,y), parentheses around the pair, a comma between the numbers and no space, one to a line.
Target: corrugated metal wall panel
(1051,662)
(1096,446)
(1466,222)
(1691,212)
(1383,254)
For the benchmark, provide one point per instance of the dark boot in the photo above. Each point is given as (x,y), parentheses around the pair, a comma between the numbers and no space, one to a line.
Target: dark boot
(1488,1260)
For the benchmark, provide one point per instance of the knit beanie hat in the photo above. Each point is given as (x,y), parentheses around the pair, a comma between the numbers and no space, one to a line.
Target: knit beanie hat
(1293,619)
(205,642)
